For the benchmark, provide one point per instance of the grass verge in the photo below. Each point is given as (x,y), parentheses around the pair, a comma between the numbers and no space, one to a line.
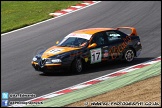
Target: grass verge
(18,14)
(145,93)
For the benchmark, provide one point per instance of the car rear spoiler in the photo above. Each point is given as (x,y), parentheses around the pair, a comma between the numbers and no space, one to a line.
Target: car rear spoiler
(131,28)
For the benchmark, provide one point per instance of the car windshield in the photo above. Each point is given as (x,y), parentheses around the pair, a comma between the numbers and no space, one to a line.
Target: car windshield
(73,42)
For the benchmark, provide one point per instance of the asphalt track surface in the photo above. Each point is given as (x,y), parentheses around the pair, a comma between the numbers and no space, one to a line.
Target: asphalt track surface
(18,48)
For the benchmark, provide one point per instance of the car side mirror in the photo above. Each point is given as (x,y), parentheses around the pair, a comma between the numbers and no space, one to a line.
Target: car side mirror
(57,42)
(92,45)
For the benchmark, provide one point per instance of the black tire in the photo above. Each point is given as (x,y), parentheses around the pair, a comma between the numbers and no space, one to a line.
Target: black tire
(129,55)
(77,66)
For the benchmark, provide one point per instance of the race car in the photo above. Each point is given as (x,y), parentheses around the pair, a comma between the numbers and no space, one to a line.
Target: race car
(89,46)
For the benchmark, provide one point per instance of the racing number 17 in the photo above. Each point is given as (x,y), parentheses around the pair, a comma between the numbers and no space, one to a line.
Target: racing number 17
(96,54)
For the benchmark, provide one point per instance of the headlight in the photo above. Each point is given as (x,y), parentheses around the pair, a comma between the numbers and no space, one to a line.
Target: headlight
(138,43)
(56,61)
(34,59)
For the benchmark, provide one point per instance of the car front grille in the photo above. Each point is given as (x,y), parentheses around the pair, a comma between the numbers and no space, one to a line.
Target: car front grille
(42,62)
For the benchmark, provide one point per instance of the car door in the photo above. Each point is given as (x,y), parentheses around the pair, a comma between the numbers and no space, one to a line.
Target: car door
(116,43)
(96,54)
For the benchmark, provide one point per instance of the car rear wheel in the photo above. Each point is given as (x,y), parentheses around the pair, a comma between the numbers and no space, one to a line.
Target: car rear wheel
(77,66)
(129,55)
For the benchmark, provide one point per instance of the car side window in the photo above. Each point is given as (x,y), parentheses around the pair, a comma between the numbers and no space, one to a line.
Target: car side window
(99,39)
(112,35)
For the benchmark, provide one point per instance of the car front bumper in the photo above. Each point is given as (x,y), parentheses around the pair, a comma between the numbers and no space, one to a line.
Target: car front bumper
(49,67)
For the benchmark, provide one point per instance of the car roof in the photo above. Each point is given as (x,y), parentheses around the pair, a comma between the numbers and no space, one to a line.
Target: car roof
(92,31)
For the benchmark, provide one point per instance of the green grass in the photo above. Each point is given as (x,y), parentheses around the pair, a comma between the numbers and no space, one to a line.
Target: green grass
(17,14)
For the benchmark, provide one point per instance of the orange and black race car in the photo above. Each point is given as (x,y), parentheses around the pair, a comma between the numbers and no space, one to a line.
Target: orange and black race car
(89,46)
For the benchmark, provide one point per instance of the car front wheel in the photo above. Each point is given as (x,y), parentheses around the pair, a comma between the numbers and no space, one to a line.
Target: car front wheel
(77,66)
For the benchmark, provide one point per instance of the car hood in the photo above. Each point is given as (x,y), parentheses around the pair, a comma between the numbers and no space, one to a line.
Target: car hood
(55,50)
